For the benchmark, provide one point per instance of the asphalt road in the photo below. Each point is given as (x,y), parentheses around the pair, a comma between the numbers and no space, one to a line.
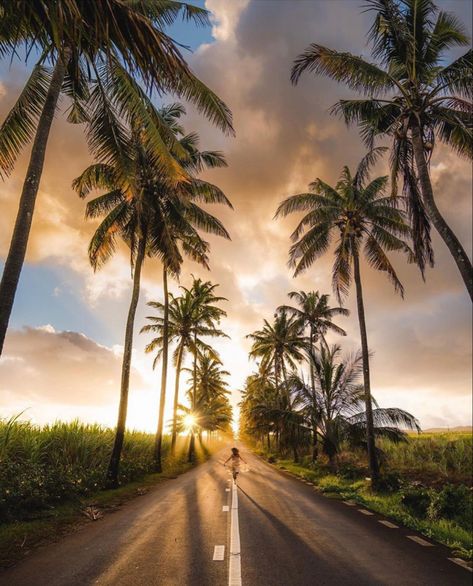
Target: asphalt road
(289,534)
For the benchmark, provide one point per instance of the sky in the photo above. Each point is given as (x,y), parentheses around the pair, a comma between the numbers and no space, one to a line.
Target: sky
(63,350)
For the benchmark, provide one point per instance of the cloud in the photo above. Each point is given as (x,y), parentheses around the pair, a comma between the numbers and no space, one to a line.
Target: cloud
(45,365)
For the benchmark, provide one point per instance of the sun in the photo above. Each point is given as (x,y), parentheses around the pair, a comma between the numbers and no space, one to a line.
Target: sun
(189,422)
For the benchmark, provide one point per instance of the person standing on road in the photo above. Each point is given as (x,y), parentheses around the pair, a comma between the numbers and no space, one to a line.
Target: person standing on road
(236,459)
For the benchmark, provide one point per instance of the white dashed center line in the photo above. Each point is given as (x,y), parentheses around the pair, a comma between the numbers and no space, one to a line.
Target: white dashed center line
(234,569)
(225,508)
(219,553)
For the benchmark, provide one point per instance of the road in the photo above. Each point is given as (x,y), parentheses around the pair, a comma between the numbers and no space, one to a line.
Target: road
(289,536)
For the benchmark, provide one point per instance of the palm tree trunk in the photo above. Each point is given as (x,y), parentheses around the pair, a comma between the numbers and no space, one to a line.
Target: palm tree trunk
(164,374)
(113,467)
(372,457)
(176,399)
(19,242)
(446,233)
(190,456)
(315,450)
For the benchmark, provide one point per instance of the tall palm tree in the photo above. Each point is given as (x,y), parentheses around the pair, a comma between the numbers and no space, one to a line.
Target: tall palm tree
(413,95)
(316,315)
(180,332)
(85,41)
(279,344)
(145,217)
(367,221)
(192,190)
(339,399)
(205,314)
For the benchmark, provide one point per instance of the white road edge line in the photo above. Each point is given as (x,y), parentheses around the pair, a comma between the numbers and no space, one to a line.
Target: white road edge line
(420,541)
(219,553)
(365,512)
(234,568)
(389,524)
(461,563)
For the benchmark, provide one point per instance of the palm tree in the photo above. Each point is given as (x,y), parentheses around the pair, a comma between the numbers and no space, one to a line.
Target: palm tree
(412,96)
(264,409)
(85,41)
(207,315)
(314,313)
(145,216)
(361,214)
(279,344)
(208,395)
(180,332)
(338,401)
(259,389)
(190,191)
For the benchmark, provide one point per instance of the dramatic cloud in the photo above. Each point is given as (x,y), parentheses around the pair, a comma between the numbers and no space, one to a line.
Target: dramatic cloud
(65,367)
(285,138)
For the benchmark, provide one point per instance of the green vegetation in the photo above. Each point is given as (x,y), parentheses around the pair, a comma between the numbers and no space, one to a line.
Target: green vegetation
(44,467)
(432,458)
(425,485)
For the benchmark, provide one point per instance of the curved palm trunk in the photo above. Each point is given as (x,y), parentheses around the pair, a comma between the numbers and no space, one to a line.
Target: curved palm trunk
(158,445)
(446,233)
(19,242)
(315,450)
(113,467)
(372,457)
(176,399)
(190,456)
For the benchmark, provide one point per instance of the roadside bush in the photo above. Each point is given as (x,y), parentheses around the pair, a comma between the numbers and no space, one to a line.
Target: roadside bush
(389,482)
(416,499)
(349,471)
(453,502)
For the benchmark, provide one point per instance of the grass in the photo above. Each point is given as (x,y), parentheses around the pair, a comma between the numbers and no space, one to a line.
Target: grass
(51,479)
(433,458)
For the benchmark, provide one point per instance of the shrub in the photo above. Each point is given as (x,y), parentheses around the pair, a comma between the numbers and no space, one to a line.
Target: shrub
(453,503)
(389,482)
(349,471)
(416,499)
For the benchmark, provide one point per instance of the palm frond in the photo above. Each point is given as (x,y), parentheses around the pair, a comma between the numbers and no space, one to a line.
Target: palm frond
(19,127)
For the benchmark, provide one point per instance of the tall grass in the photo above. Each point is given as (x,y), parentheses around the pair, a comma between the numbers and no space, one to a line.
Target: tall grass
(41,466)
(432,458)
